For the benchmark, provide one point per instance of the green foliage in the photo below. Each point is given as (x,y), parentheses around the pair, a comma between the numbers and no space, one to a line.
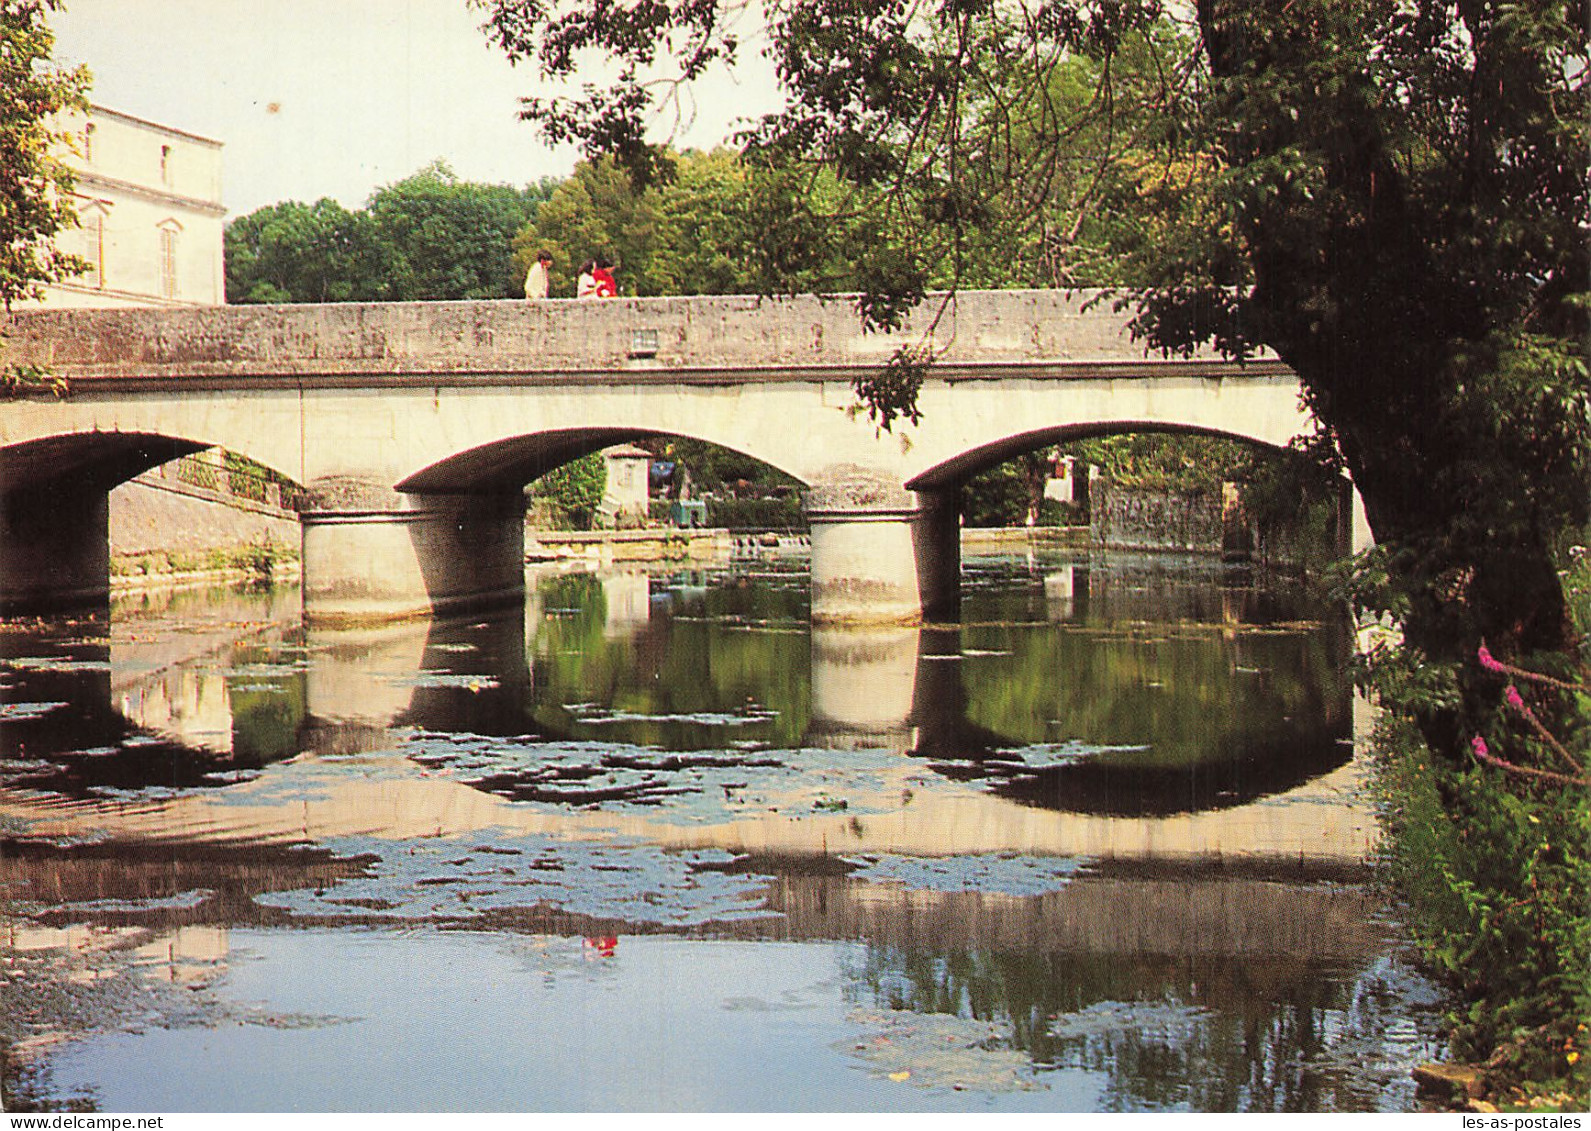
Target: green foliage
(35,183)
(429,236)
(1498,900)
(295,252)
(1288,495)
(595,212)
(28,380)
(1011,493)
(1493,853)
(997,497)
(249,479)
(719,224)
(257,559)
(451,239)
(719,470)
(890,393)
(1399,214)
(266,725)
(920,146)
(707,666)
(1164,460)
(575,491)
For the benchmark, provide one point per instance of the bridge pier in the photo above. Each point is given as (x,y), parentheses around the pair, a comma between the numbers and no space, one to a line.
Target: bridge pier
(863,679)
(373,555)
(54,546)
(880,553)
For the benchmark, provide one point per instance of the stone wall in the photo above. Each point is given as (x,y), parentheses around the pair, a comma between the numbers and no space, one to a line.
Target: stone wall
(180,521)
(1138,518)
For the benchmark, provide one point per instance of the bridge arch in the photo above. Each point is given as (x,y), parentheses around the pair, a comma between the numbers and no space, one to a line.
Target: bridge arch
(104,459)
(520,459)
(958,468)
(55,509)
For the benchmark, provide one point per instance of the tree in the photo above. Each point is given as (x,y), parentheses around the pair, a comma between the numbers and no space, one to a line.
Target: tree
(1405,186)
(428,236)
(706,234)
(708,223)
(451,239)
(597,211)
(293,252)
(35,183)
(574,490)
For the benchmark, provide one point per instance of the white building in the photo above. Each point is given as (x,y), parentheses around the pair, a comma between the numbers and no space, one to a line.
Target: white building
(149,201)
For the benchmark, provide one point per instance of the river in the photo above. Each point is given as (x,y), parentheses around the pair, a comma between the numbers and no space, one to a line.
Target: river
(653,843)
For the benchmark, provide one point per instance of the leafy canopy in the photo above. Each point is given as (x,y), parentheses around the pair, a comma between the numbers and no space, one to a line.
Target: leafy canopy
(35,182)
(428,236)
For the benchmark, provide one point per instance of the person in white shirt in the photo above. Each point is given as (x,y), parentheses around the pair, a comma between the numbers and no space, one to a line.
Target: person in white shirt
(538,284)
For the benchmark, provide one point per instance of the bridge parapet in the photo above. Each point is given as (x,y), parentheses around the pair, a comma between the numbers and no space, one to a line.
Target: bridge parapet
(672,339)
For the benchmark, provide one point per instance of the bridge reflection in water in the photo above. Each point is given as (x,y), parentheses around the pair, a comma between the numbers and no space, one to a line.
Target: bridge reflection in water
(1111,738)
(1070,799)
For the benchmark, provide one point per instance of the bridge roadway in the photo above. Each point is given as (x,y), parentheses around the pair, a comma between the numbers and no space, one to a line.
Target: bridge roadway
(413,427)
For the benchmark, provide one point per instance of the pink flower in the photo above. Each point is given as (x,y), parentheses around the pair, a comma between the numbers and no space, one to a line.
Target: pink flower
(1514,699)
(1479,745)
(1487,661)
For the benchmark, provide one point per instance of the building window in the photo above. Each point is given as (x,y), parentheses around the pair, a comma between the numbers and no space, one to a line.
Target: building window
(165,164)
(88,143)
(168,259)
(93,221)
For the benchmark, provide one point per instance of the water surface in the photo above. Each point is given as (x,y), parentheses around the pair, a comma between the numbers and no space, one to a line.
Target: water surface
(653,843)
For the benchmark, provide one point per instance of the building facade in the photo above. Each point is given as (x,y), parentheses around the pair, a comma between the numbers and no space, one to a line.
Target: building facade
(149,204)
(625,498)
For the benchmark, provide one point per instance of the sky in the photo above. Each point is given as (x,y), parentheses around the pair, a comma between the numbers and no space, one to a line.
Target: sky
(315,98)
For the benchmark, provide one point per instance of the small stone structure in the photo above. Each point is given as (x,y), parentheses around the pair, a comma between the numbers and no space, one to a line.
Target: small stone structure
(625,498)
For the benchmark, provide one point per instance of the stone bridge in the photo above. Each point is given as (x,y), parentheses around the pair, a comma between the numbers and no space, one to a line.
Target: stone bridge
(413,427)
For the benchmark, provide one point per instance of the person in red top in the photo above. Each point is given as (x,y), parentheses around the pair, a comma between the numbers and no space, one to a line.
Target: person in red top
(602,276)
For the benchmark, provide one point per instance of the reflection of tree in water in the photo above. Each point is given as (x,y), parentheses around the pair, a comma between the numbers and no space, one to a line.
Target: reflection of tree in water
(268,713)
(1215,701)
(714,648)
(1169,1032)
(1187,693)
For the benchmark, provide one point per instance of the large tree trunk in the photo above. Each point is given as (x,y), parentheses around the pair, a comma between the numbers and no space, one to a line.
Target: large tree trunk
(1347,290)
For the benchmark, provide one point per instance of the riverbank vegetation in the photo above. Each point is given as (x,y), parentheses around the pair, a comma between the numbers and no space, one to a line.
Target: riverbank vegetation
(1498,887)
(259,562)
(567,497)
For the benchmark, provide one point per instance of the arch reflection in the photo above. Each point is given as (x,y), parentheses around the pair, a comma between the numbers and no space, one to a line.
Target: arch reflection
(1113,688)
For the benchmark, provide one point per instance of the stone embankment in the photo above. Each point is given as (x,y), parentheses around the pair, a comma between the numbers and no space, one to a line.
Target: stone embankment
(604,547)
(662,544)
(165,530)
